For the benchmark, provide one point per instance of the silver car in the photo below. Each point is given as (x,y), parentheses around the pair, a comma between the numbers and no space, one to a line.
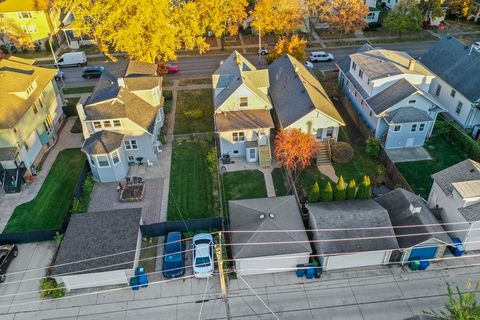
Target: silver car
(320,56)
(203,263)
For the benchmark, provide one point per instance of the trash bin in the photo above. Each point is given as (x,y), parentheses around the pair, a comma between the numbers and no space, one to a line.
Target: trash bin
(318,272)
(300,270)
(134,283)
(423,265)
(414,265)
(310,272)
(457,248)
(139,271)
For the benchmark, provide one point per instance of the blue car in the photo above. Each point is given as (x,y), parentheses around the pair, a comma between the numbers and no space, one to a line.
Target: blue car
(174,257)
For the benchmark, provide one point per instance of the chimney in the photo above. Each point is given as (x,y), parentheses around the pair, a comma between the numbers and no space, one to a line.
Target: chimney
(411,64)
(121,82)
(415,207)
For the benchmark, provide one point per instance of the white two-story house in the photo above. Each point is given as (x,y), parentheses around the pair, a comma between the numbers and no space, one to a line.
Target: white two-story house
(242,110)
(122,119)
(373,12)
(389,90)
(456,191)
(30,116)
(457,81)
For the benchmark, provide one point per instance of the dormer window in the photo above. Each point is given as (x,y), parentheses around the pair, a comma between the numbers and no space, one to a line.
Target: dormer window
(243,102)
(31,88)
(24,15)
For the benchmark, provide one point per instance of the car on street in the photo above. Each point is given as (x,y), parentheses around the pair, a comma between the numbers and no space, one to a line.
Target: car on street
(72,59)
(308,65)
(203,265)
(92,72)
(60,75)
(168,68)
(7,253)
(320,56)
(476,45)
(174,257)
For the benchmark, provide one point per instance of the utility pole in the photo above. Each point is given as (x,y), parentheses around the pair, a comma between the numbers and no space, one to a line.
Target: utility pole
(223,284)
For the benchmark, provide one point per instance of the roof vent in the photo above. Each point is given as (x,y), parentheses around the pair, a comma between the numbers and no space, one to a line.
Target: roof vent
(262,216)
(415,207)
(472,170)
(271,215)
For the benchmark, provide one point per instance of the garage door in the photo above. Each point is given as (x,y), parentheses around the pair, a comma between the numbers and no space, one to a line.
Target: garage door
(423,253)
(269,264)
(363,259)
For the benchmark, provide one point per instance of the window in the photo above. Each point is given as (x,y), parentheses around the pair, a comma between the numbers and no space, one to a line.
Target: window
(15,130)
(439,88)
(354,66)
(131,144)
(40,102)
(30,29)
(117,123)
(92,160)
(48,125)
(452,94)
(107,124)
(26,145)
(31,87)
(360,73)
(397,128)
(35,110)
(459,107)
(115,157)
(356,93)
(422,127)
(243,102)
(24,15)
(414,128)
(368,81)
(131,158)
(238,136)
(412,101)
(103,161)
(370,113)
(97,124)
(329,131)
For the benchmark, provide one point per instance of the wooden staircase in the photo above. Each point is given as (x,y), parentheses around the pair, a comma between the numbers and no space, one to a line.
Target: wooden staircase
(265,155)
(323,153)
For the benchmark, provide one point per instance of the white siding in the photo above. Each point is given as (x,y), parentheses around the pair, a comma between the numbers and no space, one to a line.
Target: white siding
(362,259)
(473,239)
(313,121)
(98,279)
(272,264)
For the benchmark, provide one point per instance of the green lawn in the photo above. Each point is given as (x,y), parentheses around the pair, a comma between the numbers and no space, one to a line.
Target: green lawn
(78,90)
(247,184)
(194,112)
(279,182)
(193,189)
(188,82)
(444,154)
(49,207)
(307,179)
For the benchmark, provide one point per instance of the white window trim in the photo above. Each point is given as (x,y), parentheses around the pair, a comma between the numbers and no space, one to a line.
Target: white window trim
(414,125)
(397,125)
(421,127)
(113,123)
(20,16)
(129,146)
(118,157)
(98,162)
(92,160)
(240,102)
(238,136)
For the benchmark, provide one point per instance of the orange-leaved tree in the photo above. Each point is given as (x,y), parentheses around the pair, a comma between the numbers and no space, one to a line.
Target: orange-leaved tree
(295,149)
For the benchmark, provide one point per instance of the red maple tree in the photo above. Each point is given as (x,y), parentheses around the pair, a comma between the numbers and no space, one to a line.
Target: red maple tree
(295,149)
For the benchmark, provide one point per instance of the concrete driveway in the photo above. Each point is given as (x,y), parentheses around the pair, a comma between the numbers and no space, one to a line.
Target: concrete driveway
(18,293)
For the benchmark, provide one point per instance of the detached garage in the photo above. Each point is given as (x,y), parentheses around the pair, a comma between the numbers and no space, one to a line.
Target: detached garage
(427,240)
(349,243)
(89,253)
(258,239)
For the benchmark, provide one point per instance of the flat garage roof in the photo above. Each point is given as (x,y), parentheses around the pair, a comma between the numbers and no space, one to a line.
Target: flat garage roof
(99,234)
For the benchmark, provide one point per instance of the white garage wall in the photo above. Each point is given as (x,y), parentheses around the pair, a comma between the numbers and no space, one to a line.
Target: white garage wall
(271,264)
(98,279)
(363,259)
(472,241)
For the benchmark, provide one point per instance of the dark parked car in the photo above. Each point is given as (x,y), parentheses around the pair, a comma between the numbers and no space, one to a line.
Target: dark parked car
(92,72)
(7,253)
(174,259)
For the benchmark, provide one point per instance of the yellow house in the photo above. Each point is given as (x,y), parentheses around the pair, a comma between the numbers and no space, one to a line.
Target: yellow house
(33,17)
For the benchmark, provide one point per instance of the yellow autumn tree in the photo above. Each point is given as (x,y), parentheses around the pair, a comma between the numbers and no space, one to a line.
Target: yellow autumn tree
(348,15)
(318,10)
(277,16)
(459,8)
(294,46)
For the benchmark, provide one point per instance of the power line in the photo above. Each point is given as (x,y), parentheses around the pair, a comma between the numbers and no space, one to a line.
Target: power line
(255,293)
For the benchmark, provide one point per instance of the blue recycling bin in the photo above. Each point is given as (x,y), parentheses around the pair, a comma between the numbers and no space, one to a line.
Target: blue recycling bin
(318,272)
(142,277)
(300,270)
(310,272)
(423,265)
(457,248)
(134,283)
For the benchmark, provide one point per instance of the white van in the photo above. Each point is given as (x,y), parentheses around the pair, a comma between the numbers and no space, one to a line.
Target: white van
(320,56)
(72,59)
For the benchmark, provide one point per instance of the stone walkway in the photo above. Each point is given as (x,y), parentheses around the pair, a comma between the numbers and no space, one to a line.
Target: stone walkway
(66,140)
(328,170)
(408,154)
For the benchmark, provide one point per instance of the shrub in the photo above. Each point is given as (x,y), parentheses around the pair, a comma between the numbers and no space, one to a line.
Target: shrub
(314,194)
(50,288)
(212,161)
(373,147)
(342,152)
(351,190)
(340,193)
(193,114)
(167,95)
(81,205)
(460,138)
(327,194)
(58,238)
(364,189)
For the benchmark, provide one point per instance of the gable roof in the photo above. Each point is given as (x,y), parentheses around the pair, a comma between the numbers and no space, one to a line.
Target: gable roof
(296,92)
(109,100)
(245,215)
(21,5)
(364,215)
(397,203)
(467,170)
(102,142)
(234,72)
(16,75)
(380,63)
(407,115)
(243,119)
(457,64)
(392,95)
(471,213)
(90,236)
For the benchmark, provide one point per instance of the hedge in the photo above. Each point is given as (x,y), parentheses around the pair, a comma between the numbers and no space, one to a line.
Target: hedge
(458,136)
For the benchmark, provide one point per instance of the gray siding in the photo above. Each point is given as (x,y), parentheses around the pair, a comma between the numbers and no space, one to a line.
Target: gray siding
(400,139)
(115,172)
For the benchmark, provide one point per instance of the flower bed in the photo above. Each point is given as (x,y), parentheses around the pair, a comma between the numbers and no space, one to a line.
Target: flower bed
(132,193)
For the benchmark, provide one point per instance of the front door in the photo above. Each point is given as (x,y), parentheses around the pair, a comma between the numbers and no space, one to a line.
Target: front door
(320,134)
(409,142)
(252,154)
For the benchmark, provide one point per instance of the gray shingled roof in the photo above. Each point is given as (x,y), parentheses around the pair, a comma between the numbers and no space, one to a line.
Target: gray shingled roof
(102,142)
(407,115)
(295,92)
(391,96)
(241,120)
(357,85)
(99,234)
(471,213)
(8,153)
(110,101)
(351,214)
(466,170)
(458,65)
(397,203)
(245,215)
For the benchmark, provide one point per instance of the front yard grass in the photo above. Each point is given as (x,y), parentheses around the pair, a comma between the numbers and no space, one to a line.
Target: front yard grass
(246,184)
(279,182)
(78,90)
(194,112)
(48,209)
(193,187)
(418,173)
(188,82)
